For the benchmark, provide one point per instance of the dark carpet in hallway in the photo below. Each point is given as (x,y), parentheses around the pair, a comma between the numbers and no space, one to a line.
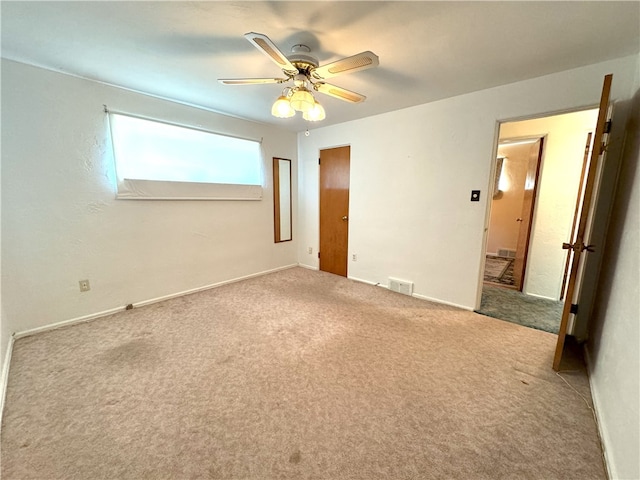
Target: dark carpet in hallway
(516,307)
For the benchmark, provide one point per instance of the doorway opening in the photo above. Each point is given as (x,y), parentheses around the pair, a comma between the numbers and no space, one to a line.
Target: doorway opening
(538,182)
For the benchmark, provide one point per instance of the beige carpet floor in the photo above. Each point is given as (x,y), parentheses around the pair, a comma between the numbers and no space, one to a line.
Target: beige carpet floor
(296,374)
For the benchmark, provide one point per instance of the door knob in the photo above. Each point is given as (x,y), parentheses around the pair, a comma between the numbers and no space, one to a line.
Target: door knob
(518,219)
(345,218)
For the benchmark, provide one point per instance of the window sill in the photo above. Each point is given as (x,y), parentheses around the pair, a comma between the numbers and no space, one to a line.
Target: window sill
(129,189)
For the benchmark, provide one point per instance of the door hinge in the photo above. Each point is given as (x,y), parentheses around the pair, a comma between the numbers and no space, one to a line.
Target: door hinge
(607,127)
(318,161)
(574,308)
(318,254)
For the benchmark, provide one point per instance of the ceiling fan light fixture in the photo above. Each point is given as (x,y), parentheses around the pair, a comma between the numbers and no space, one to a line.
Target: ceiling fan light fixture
(282,108)
(307,75)
(316,114)
(302,100)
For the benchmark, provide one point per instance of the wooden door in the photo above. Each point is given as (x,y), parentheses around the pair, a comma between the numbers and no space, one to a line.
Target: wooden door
(526,215)
(576,214)
(334,209)
(579,247)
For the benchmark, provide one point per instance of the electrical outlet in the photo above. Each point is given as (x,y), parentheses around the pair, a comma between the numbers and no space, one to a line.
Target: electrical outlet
(84,285)
(354,257)
(310,250)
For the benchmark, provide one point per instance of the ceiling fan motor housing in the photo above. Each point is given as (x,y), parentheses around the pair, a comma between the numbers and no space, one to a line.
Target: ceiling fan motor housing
(302,59)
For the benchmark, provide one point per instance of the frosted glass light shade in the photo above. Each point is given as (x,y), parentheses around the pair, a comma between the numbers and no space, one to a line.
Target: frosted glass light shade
(282,108)
(302,100)
(315,114)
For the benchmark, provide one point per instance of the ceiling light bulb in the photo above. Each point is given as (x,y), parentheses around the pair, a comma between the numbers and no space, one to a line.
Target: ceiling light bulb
(316,114)
(282,108)
(302,100)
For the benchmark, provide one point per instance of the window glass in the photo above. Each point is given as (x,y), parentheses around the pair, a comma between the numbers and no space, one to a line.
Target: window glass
(147,150)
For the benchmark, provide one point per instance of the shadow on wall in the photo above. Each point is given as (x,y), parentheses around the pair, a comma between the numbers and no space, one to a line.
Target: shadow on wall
(619,223)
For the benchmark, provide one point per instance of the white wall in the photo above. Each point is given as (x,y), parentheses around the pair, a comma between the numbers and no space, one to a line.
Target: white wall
(61,222)
(411,175)
(563,155)
(615,332)
(4,326)
(412,172)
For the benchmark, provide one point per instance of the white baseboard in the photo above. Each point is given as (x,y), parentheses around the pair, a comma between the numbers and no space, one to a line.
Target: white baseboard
(415,295)
(64,323)
(540,296)
(86,318)
(368,282)
(209,287)
(94,316)
(442,302)
(5,377)
(308,267)
(601,429)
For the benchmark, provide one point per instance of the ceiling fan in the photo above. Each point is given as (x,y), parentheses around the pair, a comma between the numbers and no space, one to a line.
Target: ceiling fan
(307,75)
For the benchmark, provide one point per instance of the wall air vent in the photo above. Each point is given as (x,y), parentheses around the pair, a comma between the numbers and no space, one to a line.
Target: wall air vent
(401,286)
(506,253)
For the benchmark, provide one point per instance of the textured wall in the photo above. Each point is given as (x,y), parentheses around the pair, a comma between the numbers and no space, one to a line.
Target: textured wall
(61,221)
(412,172)
(615,329)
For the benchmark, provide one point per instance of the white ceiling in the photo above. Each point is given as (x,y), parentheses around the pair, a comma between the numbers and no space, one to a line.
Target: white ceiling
(428,50)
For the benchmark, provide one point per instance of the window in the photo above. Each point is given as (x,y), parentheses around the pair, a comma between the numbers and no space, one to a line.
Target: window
(157,160)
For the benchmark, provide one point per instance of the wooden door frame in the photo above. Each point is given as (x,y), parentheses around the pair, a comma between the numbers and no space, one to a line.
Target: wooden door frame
(492,180)
(492,187)
(585,163)
(532,212)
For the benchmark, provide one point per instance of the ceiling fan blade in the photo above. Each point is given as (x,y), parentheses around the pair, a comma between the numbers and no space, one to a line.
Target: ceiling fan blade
(339,92)
(356,63)
(266,46)
(251,81)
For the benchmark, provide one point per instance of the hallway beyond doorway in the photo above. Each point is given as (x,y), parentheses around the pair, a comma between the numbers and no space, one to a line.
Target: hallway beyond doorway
(499,270)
